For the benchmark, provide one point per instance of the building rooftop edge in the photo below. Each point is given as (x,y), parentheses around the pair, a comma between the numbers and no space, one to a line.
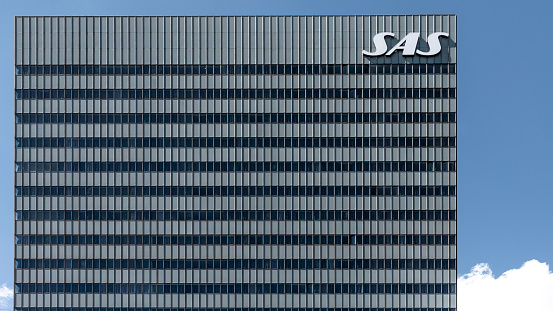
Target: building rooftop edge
(299,15)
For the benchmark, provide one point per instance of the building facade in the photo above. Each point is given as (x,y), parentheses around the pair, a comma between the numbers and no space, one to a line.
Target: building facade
(235,163)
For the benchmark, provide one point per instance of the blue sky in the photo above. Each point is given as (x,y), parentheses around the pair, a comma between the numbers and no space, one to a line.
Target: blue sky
(504,83)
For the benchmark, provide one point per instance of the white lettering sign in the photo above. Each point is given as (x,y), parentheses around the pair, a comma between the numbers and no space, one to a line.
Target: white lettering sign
(408,44)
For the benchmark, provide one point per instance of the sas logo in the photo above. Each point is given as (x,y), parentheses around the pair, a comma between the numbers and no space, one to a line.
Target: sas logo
(408,44)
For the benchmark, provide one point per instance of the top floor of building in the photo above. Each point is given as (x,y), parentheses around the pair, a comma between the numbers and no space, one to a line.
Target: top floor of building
(176,40)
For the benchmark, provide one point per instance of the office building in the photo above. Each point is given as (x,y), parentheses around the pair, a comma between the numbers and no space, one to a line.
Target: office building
(235,163)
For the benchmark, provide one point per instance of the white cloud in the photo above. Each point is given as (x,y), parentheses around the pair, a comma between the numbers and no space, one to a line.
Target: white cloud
(6,296)
(528,288)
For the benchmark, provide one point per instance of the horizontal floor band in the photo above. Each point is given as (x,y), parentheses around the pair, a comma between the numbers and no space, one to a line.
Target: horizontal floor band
(251,288)
(232,142)
(240,166)
(235,190)
(209,118)
(231,69)
(239,239)
(239,215)
(288,93)
(218,264)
